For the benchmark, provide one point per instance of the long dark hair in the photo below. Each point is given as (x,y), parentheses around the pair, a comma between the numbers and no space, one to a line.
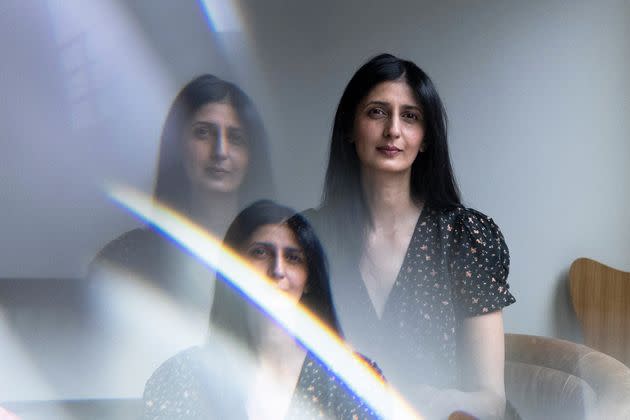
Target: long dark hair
(229,308)
(432,179)
(172,185)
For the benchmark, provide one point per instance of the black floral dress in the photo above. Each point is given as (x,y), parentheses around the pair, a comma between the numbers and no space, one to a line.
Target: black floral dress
(194,384)
(456,266)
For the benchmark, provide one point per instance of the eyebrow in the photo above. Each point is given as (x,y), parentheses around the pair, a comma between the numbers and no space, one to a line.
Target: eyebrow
(233,129)
(205,123)
(383,103)
(215,125)
(270,245)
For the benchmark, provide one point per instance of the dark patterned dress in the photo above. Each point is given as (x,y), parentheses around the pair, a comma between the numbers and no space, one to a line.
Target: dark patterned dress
(456,266)
(195,385)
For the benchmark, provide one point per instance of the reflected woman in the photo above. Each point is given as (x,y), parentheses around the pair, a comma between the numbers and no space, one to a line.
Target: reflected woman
(213,154)
(213,160)
(251,368)
(418,280)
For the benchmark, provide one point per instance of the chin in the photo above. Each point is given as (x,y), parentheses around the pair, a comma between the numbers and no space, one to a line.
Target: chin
(390,168)
(220,187)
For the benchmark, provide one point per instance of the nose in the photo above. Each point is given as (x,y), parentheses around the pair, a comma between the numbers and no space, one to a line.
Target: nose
(392,128)
(277,270)
(220,147)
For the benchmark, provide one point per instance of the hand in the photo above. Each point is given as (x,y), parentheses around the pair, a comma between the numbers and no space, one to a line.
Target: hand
(433,402)
(454,404)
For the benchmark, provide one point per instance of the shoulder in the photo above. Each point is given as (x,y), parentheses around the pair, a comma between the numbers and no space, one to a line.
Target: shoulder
(199,381)
(475,236)
(319,219)
(180,366)
(134,243)
(174,387)
(462,217)
(313,215)
(136,249)
(479,261)
(464,226)
(128,242)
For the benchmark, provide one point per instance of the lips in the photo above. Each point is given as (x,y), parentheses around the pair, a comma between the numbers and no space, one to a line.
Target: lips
(389,150)
(217,171)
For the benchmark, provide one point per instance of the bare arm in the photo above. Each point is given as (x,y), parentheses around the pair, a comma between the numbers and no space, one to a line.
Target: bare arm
(481,357)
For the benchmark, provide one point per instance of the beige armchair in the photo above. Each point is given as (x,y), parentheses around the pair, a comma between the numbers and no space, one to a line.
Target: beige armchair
(548,378)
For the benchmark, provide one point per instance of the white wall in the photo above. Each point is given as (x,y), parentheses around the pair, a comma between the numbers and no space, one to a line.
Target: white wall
(536,93)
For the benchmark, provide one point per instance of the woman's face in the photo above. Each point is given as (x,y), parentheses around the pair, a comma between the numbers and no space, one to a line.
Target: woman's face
(216,152)
(388,128)
(275,252)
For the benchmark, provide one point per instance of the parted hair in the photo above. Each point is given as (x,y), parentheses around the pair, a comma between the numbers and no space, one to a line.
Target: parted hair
(229,306)
(172,185)
(432,179)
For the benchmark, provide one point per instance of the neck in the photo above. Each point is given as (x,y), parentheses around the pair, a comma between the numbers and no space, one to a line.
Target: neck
(388,197)
(214,211)
(278,348)
(280,362)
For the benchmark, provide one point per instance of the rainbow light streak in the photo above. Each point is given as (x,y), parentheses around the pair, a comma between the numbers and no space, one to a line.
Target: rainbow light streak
(229,27)
(222,15)
(298,321)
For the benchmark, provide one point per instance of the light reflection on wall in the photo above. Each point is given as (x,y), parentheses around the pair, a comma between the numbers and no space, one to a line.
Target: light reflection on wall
(83,97)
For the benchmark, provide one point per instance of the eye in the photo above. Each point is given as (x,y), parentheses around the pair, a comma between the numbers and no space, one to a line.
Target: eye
(203,132)
(376,112)
(411,116)
(237,137)
(258,252)
(295,258)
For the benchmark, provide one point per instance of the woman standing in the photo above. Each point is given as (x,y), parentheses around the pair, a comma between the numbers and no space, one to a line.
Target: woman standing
(418,280)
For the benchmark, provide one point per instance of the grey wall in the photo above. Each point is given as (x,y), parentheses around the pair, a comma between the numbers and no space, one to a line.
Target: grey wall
(82,98)
(536,94)
(537,97)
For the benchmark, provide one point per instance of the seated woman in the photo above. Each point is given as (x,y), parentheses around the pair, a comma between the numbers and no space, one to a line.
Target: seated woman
(251,368)
(419,280)
(213,160)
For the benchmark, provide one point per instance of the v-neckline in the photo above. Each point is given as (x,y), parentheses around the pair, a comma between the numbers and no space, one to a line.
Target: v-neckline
(296,391)
(293,398)
(396,280)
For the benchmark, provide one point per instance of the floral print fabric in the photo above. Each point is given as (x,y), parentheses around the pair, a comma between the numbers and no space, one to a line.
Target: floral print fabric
(194,384)
(456,266)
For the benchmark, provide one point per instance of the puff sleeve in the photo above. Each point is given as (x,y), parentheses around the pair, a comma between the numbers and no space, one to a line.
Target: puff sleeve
(479,264)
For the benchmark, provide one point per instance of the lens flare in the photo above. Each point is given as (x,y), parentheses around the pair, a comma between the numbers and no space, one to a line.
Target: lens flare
(297,320)
(222,15)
